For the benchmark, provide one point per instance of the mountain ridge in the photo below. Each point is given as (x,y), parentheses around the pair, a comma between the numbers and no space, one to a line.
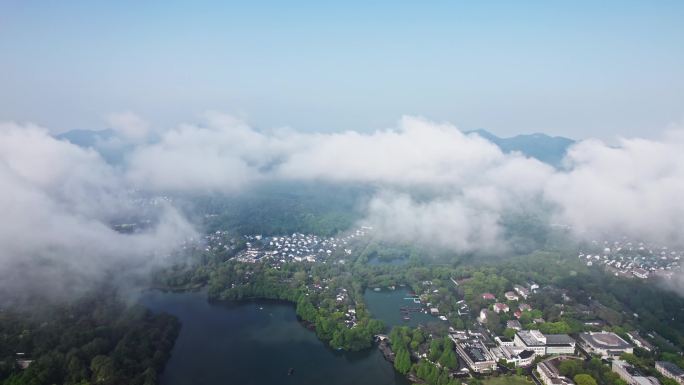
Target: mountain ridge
(545,148)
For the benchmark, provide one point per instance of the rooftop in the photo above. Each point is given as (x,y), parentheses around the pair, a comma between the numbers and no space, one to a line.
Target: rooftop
(605,340)
(475,351)
(532,337)
(559,339)
(672,368)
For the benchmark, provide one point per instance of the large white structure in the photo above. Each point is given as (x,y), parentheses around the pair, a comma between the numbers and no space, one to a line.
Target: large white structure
(605,344)
(514,355)
(543,344)
(476,355)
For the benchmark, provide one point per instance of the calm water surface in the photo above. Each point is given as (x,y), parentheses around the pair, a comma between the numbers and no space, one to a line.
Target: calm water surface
(385,305)
(255,343)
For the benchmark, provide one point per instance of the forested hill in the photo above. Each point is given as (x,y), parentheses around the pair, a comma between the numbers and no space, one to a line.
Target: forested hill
(548,149)
(95,339)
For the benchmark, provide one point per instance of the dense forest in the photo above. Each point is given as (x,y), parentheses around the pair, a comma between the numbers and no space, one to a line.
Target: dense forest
(282,208)
(98,339)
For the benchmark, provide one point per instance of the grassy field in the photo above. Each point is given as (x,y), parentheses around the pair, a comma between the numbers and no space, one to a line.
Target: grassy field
(507,380)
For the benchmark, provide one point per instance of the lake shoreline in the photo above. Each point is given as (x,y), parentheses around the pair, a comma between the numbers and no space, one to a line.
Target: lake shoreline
(253,315)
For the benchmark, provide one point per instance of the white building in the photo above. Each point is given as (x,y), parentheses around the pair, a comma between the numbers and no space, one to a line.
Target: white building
(514,355)
(543,344)
(476,355)
(549,374)
(631,375)
(605,344)
(670,370)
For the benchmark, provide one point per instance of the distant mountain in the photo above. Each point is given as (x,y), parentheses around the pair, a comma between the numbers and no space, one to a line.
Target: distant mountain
(96,139)
(86,138)
(548,149)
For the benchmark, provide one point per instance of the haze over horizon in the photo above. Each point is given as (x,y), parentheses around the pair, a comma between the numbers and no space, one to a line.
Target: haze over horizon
(579,70)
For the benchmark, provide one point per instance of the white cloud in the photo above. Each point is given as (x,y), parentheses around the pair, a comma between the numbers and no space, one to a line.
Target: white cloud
(630,189)
(454,223)
(437,185)
(633,189)
(129,126)
(57,200)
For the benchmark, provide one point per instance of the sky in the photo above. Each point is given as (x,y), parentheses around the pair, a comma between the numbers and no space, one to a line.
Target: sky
(578,69)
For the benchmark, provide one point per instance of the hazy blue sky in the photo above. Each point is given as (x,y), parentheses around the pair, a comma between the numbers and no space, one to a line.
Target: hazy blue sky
(595,68)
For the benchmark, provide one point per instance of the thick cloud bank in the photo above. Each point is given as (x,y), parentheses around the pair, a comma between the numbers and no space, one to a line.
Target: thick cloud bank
(630,189)
(634,189)
(435,185)
(56,202)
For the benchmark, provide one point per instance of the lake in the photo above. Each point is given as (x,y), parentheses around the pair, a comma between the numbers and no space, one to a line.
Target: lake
(255,343)
(385,305)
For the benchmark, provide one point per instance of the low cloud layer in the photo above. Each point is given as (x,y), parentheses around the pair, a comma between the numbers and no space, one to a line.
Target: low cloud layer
(633,189)
(435,185)
(630,189)
(57,201)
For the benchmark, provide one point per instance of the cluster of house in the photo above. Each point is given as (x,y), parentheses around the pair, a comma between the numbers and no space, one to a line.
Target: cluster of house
(350,317)
(518,292)
(500,307)
(640,260)
(343,302)
(218,241)
(298,247)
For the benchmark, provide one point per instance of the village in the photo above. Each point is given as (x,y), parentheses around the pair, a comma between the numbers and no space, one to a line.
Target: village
(297,247)
(629,259)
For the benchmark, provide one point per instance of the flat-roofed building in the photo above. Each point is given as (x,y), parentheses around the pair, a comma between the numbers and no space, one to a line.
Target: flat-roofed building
(549,374)
(514,355)
(670,370)
(640,341)
(631,375)
(605,344)
(559,344)
(543,344)
(476,355)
